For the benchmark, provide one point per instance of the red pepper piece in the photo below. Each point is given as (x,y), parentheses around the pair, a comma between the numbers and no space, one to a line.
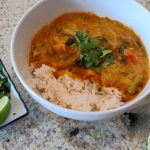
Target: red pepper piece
(132,58)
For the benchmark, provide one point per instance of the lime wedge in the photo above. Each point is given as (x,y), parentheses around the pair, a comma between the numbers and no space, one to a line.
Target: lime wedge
(4,108)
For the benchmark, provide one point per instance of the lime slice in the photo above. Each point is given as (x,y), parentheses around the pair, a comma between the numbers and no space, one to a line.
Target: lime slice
(4,108)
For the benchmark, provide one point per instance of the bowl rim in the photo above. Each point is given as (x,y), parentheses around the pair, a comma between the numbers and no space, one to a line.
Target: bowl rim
(42,100)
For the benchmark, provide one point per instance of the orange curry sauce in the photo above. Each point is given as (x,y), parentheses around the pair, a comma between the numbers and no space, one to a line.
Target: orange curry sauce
(129,73)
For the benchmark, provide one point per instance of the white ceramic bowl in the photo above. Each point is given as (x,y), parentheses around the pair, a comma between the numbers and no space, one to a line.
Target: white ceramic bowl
(126,11)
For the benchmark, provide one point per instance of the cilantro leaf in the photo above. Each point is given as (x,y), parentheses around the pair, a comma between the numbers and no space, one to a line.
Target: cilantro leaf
(4,83)
(92,56)
(108,60)
(90,45)
(81,37)
(105,52)
(1,67)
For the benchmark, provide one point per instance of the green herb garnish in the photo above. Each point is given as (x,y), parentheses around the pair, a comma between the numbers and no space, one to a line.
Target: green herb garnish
(4,84)
(92,56)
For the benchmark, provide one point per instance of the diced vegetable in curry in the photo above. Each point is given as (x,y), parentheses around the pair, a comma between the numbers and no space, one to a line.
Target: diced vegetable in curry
(86,46)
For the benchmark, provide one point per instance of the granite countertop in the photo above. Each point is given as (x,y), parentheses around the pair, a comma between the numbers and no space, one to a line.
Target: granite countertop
(43,130)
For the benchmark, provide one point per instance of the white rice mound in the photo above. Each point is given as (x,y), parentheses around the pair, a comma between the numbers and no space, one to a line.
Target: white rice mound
(73,93)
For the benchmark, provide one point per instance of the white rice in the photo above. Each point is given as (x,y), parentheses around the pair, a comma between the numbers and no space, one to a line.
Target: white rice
(74,94)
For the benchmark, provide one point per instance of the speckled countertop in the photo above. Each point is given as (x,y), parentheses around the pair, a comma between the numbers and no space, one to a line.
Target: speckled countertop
(42,130)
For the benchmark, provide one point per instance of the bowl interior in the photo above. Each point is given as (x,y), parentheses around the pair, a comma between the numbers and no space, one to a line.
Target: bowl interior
(45,11)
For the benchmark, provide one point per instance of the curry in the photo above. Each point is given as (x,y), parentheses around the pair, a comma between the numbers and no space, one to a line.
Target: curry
(99,49)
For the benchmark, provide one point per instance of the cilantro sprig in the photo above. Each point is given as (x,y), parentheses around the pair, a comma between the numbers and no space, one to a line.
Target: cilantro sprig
(92,56)
(4,84)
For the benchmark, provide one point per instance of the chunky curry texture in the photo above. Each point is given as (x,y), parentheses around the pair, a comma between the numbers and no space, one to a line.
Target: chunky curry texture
(129,71)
